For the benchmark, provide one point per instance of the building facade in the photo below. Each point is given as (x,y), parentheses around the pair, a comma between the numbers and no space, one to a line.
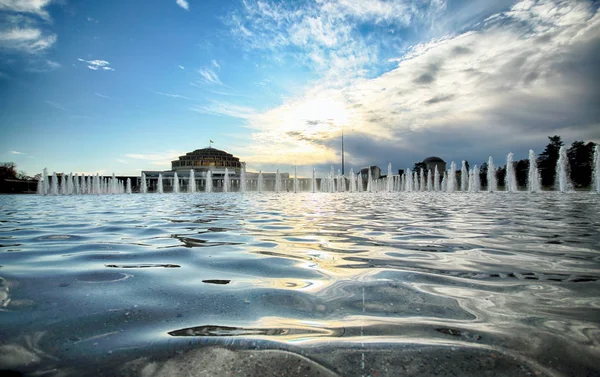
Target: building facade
(433,162)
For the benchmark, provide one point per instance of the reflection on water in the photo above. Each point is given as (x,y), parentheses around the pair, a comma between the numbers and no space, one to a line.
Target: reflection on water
(307,284)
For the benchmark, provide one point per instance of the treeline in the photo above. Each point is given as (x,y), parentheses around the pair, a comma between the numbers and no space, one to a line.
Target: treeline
(581,162)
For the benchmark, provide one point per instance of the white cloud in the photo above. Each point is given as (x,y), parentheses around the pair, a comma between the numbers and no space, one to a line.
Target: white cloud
(17,152)
(159,159)
(29,40)
(215,64)
(184,4)
(56,105)
(101,95)
(181,67)
(26,6)
(121,161)
(22,26)
(174,95)
(209,76)
(226,109)
(96,65)
(524,74)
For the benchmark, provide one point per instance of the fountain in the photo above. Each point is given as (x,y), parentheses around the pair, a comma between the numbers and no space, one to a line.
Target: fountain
(243,178)
(175,183)
(596,170)
(408,181)
(451,180)
(208,185)
(143,184)
(492,183)
(277,181)
(445,182)
(510,180)
(128,189)
(563,183)
(295,179)
(313,182)
(260,181)
(390,177)
(533,179)
(352,181)
(226,181)
(159,184)
(192,182)
(474,180)
(416,181)
(464,176)
(429,180)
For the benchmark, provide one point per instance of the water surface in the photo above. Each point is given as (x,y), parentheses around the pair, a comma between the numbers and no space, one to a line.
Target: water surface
(301,284)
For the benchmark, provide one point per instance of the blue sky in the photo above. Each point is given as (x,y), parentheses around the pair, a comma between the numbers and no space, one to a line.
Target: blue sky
(121,86)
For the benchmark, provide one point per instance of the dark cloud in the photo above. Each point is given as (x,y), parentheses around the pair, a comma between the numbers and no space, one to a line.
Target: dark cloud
(429,75)
(438,99)
(460,50)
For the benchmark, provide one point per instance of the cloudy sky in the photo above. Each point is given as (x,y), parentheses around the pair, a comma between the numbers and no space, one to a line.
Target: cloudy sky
(121,86)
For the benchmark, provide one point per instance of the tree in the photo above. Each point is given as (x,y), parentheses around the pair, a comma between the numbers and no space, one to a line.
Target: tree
(22,175)
(7,171)
(522,172)
(420,165)
(548,158)
(581,157)
(483,174)
(501,175)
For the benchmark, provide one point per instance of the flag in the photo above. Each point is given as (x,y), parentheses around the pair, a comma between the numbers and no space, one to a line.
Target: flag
(212,141)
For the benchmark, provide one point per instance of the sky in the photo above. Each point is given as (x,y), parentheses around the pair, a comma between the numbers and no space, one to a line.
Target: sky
(124,86)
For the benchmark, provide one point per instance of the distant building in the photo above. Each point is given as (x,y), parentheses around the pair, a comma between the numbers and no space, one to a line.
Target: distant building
(432,162)
(375,172)
(216,161)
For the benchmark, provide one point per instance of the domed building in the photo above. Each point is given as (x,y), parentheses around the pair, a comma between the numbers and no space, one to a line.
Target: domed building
(433,161)
(201,161)
(205,159)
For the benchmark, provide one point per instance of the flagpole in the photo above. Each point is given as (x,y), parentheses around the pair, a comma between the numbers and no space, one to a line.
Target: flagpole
(342,149)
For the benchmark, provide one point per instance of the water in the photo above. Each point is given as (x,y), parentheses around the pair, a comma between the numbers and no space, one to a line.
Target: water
(429,180)
(226,181)
(159,184)
(451,180)
(492,182)
(408,182)
(175,183)
(436,182)
(209,182)
(347,284)
(533,178)
(510,180)
(192,182)
(562,181)
(243,178)
(596,170)
(464,176)
(143,184)
(260,181)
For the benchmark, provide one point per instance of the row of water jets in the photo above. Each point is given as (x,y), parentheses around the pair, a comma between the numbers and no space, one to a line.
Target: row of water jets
(409,181)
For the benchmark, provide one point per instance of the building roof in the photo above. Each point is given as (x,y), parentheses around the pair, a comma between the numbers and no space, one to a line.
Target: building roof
(433,159)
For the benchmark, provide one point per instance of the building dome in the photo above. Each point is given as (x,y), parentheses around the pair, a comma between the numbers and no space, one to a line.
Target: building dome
(433,159)
(205,158)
